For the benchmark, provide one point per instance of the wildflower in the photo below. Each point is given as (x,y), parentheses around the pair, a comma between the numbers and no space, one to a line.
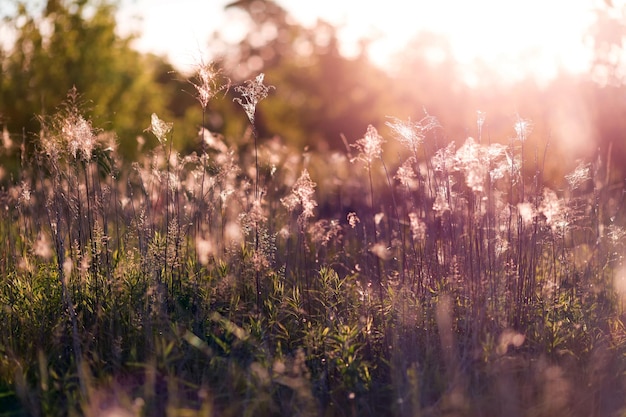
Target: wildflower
(353,219)
(406,133)
(78,135)
(173,181)
(260,260)
(317,231)
(498,161)
(323,231)
(412,134)
(441,206)
(405,174)
(68,133)
(578,176)
(334,231)
(254,218)
(302,195)
(501,245)
(470,160)
(370,146)
(523,128)
(443,159)
(252,92)
(208,83)
(159,128)
(615,233)
(475,160)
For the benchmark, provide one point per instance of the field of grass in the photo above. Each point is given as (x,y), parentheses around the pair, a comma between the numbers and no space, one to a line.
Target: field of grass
(257,280)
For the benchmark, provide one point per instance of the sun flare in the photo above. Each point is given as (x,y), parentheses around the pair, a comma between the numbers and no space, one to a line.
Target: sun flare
(516,38)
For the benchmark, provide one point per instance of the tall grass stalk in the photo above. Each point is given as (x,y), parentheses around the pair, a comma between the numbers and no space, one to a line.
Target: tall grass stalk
(252,92)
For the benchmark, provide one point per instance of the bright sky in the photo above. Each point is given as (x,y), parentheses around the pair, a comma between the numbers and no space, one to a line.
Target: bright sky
(515,37)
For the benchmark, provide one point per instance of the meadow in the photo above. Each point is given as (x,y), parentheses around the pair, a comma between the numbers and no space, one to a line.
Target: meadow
(254,279)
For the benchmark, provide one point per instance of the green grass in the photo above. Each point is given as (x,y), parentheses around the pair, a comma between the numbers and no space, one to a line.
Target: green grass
(258,281)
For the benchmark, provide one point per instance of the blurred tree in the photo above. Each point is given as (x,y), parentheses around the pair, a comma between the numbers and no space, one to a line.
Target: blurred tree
(74,43)
(322,94)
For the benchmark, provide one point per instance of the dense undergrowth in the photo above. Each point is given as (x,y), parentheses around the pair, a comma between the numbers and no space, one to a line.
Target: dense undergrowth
(260,281)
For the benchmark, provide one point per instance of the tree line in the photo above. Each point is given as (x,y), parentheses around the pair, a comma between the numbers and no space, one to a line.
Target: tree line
(322,96)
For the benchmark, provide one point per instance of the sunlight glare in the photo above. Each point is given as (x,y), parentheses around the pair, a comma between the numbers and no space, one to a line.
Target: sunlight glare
(514,37)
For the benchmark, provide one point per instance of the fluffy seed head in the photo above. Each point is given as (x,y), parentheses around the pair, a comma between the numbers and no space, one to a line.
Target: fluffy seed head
(252,92)
(406,174)
(78,134)
(159,128)
(412,134)
(302,195)
(370,146)
(443,160)
(353,219)
(578,176)
(523,128)
(208,83)
(470,160)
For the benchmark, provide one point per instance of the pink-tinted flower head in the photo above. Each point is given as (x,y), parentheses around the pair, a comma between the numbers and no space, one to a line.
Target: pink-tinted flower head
(370,146)
(159,128)
(79,136)
(252,92)
(302,195)
(209,83)
(412,134)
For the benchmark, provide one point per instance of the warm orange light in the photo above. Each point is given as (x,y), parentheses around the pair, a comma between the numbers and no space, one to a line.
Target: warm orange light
(515,37)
